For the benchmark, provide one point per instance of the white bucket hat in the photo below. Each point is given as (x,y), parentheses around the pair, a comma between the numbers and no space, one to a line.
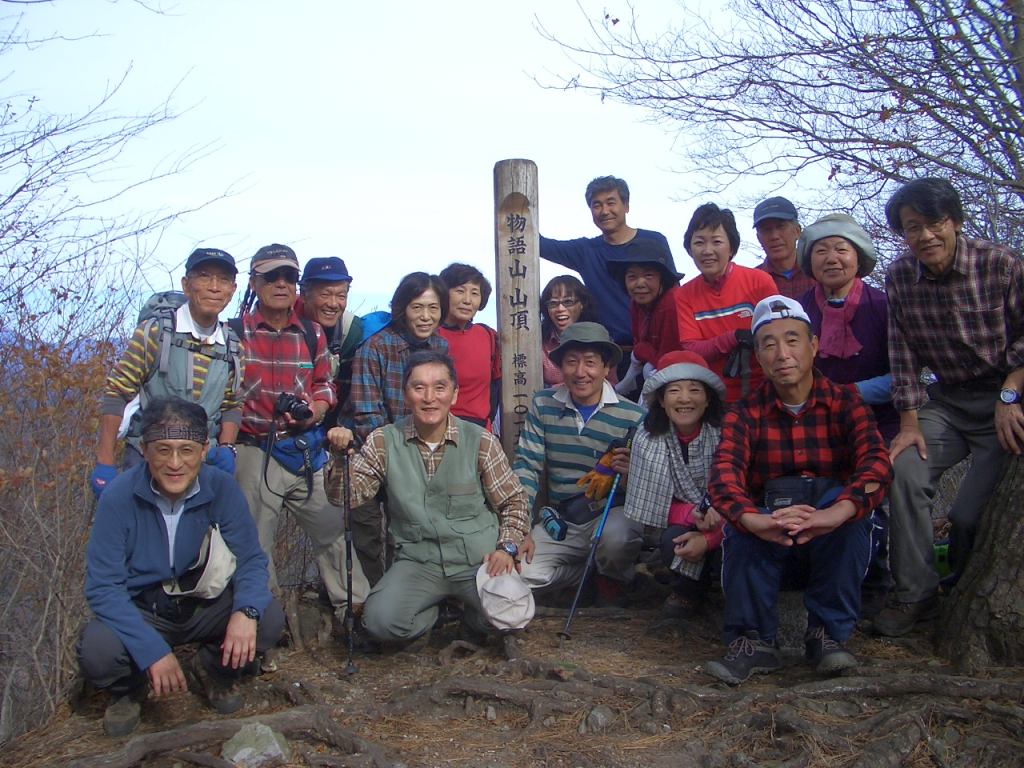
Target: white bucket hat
(506,601)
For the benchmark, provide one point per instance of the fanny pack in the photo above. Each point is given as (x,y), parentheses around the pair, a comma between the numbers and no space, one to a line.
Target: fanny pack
(789,491)
(294,453)
(579,510)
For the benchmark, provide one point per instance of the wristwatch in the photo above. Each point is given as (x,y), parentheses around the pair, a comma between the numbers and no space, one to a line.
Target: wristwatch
(250,613)
(230,446)
(1009,396)
(509,549)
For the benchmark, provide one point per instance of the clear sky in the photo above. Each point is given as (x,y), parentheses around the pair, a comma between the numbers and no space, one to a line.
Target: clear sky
(362,130)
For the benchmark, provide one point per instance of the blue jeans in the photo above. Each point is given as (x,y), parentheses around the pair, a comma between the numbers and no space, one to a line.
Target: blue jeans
(830,567)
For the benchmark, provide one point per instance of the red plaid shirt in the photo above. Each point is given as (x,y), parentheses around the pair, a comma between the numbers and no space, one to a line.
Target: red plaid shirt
(965,325)
(834,435)
(276,362)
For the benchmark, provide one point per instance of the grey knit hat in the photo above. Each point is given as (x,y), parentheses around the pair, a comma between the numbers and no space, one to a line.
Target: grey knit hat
(836,225)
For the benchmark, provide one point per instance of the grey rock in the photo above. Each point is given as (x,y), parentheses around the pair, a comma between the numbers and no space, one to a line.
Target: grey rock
(600,717)
(842,708)
(549,721)
(256,746)
(651,727)
(492,714)
(810,705)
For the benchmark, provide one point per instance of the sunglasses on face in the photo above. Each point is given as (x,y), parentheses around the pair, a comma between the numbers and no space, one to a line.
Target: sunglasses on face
(290,276)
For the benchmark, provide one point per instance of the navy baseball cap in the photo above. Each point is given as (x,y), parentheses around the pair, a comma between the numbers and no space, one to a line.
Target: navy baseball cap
(774,208)
(331,269)
(204,255)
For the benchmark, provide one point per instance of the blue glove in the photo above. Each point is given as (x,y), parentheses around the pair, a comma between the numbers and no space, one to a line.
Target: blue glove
(100,476)
(222,458)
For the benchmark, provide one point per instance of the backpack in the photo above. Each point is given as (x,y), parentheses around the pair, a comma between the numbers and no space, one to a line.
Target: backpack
(177,378)
(308,333)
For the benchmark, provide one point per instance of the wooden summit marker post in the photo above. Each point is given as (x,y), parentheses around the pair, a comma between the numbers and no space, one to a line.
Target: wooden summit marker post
(516,260)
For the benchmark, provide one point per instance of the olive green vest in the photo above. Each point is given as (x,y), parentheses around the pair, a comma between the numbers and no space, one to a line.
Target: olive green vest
(445,519)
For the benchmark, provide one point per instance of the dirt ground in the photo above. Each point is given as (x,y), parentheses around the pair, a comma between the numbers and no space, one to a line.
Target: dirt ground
(625,691)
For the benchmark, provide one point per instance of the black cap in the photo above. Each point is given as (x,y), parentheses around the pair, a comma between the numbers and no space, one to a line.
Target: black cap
(203,255)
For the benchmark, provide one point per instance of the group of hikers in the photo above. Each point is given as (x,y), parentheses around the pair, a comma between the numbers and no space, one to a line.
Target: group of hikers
(784,426)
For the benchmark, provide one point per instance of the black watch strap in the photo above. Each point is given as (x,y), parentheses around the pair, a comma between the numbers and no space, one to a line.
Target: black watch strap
(250,613)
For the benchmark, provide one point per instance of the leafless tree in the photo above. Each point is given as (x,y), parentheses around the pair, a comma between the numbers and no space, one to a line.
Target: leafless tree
(73,248)
(864,94)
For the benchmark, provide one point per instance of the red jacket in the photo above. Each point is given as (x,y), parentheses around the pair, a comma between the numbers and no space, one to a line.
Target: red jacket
(655,332)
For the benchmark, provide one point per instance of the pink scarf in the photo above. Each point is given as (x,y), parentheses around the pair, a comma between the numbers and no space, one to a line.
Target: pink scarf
(836,338)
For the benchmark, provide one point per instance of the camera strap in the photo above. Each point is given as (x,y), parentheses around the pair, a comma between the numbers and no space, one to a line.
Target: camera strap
(301,442)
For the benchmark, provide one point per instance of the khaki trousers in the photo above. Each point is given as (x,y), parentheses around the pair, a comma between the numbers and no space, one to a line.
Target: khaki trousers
(323,522)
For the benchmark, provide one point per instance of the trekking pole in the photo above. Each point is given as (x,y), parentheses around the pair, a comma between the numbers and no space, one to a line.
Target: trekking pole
(350,620)
(564,634)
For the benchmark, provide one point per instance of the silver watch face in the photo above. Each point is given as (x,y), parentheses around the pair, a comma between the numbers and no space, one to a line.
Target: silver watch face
(1009,396)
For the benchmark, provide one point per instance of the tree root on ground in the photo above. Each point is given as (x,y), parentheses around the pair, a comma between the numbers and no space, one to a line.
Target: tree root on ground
(313,721)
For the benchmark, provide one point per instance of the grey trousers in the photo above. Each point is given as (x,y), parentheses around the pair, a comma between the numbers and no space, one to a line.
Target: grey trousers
(323,522)
(368,537)
(558,564)
(106,664)
(951,435)
(403,604)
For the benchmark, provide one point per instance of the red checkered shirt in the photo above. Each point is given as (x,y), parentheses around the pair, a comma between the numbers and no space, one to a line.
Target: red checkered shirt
(794,286)
(276,362)
(834,435)
(965,325)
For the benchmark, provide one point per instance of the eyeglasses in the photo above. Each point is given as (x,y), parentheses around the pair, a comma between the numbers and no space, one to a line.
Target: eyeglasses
(186,452)
(205,279)
(914,231)
(567,303)
(290,276)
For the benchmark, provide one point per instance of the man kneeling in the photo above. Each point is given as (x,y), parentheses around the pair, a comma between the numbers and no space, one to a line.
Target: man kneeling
(797,473)
(174,558)
(440,474)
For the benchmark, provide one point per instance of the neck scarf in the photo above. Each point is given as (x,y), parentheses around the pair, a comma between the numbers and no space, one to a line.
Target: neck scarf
(837,339)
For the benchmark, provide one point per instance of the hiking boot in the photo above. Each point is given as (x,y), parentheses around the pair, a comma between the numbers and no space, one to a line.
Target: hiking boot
(221,691)
(680,605)
(900,618)
(121,717)
(872,603)
(611,593)
(418,644)
(825,654)
(748,655)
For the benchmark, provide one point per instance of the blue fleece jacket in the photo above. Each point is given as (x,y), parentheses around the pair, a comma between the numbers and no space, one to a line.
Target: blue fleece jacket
(589,257)
(127,552)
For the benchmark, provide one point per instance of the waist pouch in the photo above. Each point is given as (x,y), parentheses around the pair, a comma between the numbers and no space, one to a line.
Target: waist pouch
(789,491)
(291,453)
(175,609)
(579,510)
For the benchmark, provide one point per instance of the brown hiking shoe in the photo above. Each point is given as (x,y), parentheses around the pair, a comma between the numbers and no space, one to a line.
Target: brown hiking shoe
(121,717)
(222,692)
(900,618)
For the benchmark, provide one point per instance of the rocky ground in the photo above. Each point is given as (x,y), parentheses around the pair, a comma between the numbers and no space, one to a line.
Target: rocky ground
(625,691)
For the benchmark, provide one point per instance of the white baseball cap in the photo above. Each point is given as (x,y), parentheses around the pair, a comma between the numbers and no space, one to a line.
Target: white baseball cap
(777,308)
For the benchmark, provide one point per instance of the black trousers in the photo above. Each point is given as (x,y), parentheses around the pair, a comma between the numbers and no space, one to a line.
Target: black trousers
(106,663)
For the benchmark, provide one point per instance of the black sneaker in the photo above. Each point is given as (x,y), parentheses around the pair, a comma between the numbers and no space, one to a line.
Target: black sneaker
(122,717)
(748,655)
(825,654)
(900,618)
(222,692)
